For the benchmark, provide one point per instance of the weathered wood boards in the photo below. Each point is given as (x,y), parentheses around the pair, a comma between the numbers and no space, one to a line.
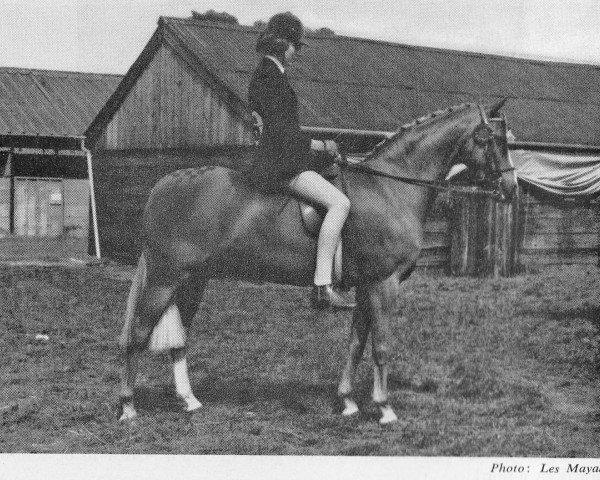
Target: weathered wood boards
(558,233)
(170,107)
(48,207)
(483,237)
(493,239)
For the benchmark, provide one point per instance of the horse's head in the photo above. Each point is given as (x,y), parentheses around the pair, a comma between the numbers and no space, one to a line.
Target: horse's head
(485,154)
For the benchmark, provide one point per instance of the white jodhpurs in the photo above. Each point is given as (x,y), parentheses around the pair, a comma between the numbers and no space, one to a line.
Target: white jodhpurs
(314,188)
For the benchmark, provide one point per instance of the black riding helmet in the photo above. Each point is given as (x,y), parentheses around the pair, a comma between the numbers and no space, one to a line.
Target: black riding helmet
(287,26)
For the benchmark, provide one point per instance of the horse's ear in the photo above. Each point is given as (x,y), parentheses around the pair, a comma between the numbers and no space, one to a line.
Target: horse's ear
(494,109)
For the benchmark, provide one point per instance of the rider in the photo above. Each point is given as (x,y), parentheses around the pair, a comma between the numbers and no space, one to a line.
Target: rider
(284,158)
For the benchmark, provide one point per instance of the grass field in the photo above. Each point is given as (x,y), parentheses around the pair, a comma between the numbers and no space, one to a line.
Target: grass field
(505,367)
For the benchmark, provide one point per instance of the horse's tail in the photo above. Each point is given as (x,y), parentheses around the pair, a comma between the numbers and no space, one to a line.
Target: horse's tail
(168,333)
(137,285)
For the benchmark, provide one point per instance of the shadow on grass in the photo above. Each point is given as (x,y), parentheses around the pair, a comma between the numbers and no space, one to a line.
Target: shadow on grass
(291,395)
(585,311)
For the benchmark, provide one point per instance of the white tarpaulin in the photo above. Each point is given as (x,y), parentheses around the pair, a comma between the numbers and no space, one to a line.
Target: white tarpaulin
(560,174)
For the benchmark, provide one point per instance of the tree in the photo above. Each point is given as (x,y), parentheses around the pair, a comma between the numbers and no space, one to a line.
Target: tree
(213,16)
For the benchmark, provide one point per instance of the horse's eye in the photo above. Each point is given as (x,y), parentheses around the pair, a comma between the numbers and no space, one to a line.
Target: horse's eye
(482,135)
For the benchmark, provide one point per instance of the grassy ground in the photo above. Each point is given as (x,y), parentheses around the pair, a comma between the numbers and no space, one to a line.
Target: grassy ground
(481,367)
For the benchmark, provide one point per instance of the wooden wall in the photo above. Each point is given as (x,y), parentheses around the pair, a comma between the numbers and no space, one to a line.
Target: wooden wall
(436,244)
(5,207)
(484,238)
(51,207)
(558,233)
(44,218)
(171,107)
(492,239)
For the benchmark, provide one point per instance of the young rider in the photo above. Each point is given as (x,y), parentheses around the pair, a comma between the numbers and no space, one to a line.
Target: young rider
(284,158)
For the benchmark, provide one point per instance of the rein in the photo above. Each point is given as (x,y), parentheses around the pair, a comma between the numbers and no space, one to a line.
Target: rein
(436,185)
(483,136)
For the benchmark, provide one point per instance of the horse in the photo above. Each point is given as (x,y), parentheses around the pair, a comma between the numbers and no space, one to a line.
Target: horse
(208,222)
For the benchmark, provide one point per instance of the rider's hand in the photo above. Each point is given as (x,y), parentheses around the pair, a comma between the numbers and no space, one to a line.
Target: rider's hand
(331,147)
(257,128)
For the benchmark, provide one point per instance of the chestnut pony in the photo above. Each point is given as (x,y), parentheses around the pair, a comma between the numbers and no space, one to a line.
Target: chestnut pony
(209,223)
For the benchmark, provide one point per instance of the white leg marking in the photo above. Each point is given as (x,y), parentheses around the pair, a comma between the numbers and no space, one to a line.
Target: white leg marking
(387,415)
(350,407)
(129,412)
(191,402)
(182,384)
(379,384)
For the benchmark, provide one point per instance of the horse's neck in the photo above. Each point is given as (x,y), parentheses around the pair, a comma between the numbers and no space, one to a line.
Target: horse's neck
(422,154)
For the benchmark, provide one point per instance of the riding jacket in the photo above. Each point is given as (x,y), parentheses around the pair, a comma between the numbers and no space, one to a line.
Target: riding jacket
(283,150)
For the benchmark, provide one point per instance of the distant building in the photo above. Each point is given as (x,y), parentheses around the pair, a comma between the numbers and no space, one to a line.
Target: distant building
(45,183)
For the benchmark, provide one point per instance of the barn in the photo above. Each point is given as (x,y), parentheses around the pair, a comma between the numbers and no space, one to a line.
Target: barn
(47,207)
(183,102)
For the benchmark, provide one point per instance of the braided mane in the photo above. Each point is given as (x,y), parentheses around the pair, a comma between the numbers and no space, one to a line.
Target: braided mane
(409,127)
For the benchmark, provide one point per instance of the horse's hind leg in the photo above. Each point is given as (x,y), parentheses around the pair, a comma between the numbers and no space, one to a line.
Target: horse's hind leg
(129,369)
(145,306)
(128,376)
(187,299)
(358,338)
(156,302)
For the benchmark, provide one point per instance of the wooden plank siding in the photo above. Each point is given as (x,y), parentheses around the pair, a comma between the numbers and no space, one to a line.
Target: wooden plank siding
(484,241)
(5,205)
(552,234)
(76,208)
(172,107)
(436,244)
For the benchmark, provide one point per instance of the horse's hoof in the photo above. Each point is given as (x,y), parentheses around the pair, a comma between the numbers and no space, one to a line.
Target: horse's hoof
(129,415)
(387,415)
(350,408)
(127,409)
(191,402)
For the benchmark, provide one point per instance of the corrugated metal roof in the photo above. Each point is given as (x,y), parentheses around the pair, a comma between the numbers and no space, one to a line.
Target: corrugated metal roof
(354,83)
(43,102)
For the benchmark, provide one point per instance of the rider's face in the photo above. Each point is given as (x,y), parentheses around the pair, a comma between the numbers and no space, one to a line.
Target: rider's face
(290,53)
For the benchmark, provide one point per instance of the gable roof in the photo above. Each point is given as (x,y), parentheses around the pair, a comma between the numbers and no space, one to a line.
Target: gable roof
(55,103)
(353,83)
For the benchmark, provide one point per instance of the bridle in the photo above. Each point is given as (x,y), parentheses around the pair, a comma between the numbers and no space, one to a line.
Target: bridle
(483,137)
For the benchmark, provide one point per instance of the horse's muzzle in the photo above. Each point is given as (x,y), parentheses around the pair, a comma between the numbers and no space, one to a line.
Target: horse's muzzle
(508,185)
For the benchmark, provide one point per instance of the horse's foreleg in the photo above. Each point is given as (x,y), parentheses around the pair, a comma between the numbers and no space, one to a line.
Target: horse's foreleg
(380,395)
(359,333)
(383,306)
(187,299)
(128,375)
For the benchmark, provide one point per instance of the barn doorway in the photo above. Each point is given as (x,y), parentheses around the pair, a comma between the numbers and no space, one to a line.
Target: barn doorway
(47,209)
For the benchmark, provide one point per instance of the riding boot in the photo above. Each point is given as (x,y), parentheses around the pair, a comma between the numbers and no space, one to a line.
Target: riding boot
(325,296)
